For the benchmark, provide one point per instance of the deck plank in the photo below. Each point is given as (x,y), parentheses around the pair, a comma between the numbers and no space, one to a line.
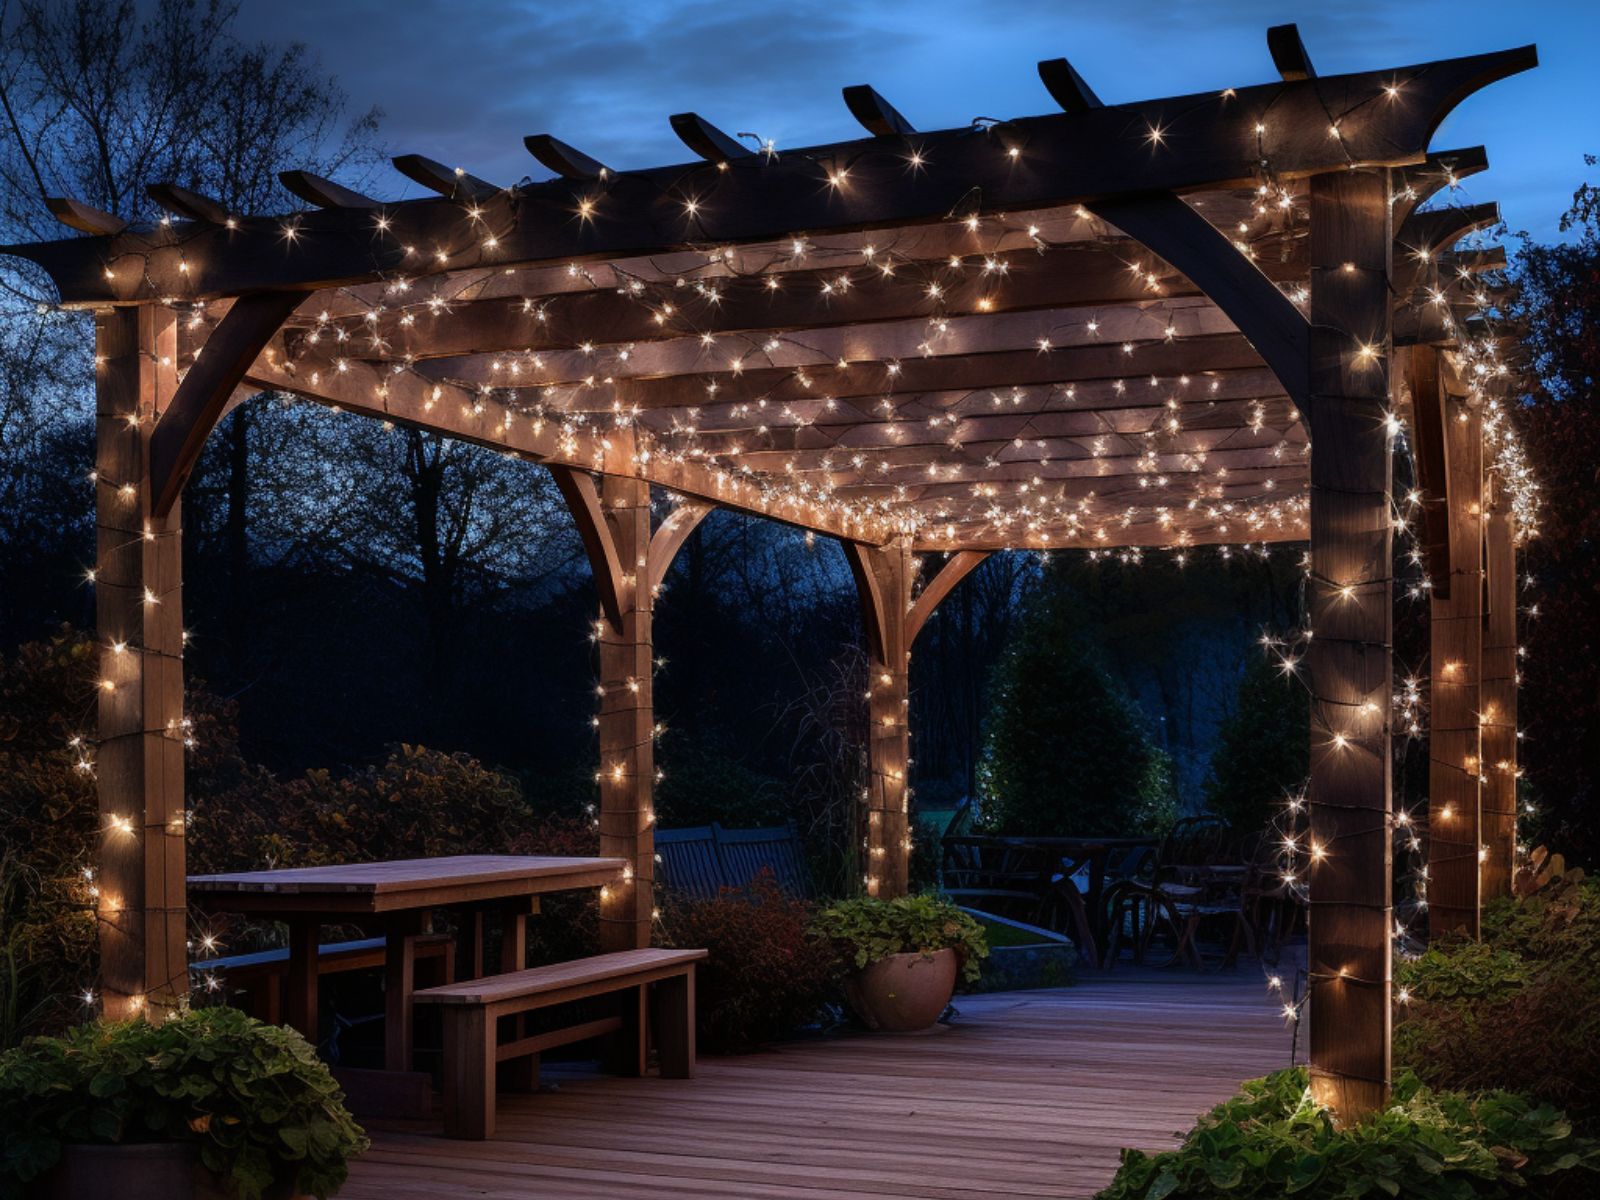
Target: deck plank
(1027,1094)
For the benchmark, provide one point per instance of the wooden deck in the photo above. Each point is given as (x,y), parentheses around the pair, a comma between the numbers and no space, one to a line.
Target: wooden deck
(1028,1094)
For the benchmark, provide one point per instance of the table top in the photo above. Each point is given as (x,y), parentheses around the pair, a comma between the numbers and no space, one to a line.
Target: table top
(401,884)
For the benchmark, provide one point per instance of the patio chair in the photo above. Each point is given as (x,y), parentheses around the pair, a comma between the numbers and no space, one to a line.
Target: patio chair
(1197,875)
(1018,879)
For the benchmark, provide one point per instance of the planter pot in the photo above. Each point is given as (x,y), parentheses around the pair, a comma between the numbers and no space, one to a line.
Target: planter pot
(904,992)
(146,1171)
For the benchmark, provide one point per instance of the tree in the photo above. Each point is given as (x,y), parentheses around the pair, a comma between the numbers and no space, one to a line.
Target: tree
(1263,749)
(1068,752)
(1559,299)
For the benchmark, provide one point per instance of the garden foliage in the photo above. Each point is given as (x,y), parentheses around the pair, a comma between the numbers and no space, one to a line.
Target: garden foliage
(262,1109)
(867,930)
(766,974)
(1263,749)
(1270,1140)
(1518,1010)
(1068,752)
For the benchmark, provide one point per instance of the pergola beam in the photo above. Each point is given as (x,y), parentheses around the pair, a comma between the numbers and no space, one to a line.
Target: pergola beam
(1209,141)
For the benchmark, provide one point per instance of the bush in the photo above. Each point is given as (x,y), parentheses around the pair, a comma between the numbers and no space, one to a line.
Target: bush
(263,1111)
(1271,1141)
(1263,749)
(1067,751)
(1464,970)
(866,930)
(766,975)
(1520,1010)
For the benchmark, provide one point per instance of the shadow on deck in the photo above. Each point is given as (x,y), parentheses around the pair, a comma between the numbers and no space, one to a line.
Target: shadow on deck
(1028,1094)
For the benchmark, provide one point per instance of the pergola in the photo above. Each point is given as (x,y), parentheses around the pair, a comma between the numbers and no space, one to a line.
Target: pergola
(1111,326)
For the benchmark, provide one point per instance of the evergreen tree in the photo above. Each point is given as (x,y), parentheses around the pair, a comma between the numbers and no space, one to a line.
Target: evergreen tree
(1068,752)
(1263,749)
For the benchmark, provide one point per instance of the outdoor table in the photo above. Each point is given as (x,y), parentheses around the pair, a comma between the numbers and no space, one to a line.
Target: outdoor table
(1096,853)
(397,896)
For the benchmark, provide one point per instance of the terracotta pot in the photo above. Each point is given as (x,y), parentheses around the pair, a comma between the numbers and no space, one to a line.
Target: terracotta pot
(145,1171)
(904,992)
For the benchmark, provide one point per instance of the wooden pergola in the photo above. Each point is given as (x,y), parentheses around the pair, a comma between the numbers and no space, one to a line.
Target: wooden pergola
(1110,326)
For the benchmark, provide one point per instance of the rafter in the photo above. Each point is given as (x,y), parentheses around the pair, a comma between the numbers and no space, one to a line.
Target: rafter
(1095,153)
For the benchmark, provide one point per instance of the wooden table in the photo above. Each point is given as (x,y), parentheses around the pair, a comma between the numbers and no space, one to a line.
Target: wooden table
(397,896)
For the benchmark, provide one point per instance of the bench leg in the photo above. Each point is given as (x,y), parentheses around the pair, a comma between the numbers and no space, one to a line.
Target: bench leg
(675,1025)
(627,1055)
(302,976)
(469,1074)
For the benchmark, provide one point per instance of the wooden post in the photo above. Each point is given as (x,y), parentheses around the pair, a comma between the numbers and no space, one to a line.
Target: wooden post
(1456,633)
(627,722)
(883,583)
(1349,660)
(1499,699)
(139,611)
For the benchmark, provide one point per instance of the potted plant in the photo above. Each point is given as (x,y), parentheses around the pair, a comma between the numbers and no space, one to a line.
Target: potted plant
(902,956)
(209,1103)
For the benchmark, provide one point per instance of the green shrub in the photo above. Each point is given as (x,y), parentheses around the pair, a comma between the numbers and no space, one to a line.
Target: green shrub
(1271,1141)
(1263,748)
(765,976)
(263,1111)
(1467,969)
(865,930)
(1520,1010)
(1067,751)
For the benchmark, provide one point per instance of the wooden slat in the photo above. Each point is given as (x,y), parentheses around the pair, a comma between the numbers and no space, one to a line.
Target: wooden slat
(558,977)
(1099,152)
(1027,1094)
(540,1042)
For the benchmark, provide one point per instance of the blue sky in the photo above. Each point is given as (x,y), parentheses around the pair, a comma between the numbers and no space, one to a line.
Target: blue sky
(463,80)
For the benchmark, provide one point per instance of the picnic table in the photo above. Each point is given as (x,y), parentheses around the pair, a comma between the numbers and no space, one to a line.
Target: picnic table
(397,898)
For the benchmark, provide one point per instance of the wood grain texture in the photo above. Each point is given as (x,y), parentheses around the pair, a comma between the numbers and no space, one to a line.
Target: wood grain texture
(1349,660)
(143,920)
(1498,746)
(1456,668)
(1028,1094)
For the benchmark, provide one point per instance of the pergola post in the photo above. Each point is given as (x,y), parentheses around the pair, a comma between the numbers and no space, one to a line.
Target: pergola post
(1456,636)
(1499,699)
(627,721)
(1349,659)
(628,562)
(883,583)
(139,613)
(885,578)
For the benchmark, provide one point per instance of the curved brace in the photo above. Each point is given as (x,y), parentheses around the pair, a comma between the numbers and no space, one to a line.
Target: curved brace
(957,568)
(1185,239)
(874,617)
(583,498)
(670,536)
(1440,228)
(202,397)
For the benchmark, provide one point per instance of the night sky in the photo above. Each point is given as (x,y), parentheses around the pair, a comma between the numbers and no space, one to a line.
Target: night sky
(463,80)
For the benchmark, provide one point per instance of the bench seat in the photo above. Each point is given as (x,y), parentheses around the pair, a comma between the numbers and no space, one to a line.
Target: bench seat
(473,1009)
(264,975)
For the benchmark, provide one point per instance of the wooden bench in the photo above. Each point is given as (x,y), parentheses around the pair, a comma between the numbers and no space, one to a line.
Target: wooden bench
(472,1011)
(264,975)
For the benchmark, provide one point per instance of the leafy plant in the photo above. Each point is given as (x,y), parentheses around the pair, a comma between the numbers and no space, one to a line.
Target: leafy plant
(1521,1009)
(1464,969)
(1270,1140)
(1544,870)
(260,1106)
(866,930)
(765,975)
